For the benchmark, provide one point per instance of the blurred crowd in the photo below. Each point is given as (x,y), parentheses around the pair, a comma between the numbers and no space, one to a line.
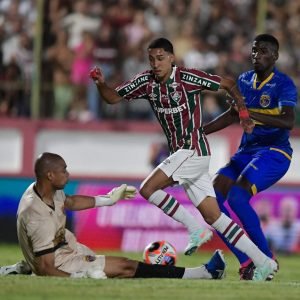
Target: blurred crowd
(283,231)
(211,35)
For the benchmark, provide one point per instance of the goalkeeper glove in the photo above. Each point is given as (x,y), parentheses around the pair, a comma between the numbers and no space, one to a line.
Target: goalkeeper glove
(117,193)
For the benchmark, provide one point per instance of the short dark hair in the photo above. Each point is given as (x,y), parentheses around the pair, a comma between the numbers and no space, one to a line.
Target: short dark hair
(46,162)
(162,43)
(269,39)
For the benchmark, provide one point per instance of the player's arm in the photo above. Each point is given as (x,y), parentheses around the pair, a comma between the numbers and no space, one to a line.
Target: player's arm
(232,89)
(108,94)
(79,202)
(222,121)
(230,86)
(46,266)
(286,118)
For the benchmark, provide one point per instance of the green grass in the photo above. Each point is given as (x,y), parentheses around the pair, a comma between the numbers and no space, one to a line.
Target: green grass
(286,284)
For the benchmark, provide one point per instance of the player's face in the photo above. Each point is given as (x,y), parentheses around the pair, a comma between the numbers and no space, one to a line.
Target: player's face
(59,175)
(263,56)
(161,63)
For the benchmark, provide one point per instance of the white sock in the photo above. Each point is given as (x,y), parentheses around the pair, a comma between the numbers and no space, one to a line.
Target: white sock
(171,207)
(237,237)
(199,272)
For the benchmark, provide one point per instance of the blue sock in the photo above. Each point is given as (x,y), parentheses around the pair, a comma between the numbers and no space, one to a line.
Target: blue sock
(239,201)
(242,257)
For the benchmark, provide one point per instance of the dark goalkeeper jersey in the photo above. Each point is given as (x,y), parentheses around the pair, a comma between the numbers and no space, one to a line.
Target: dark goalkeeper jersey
(176,104)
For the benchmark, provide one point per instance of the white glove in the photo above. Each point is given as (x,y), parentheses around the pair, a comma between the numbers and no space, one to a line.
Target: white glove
(79,274)
(117,193)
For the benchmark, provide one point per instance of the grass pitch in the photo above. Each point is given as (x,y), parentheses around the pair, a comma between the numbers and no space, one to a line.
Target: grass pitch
(286,284)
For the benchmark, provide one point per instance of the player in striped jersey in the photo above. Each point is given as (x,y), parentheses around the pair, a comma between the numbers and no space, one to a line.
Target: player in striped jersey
(174,94)
(264,156)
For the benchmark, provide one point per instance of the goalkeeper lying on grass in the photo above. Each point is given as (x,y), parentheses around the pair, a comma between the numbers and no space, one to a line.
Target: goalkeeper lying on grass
(52,250)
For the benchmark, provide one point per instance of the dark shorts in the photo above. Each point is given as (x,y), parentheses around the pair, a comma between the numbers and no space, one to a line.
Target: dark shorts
(262,169)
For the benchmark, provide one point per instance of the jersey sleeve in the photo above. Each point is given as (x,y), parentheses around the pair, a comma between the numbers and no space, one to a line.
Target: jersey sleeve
(135,88)
(287,93)
(199,80)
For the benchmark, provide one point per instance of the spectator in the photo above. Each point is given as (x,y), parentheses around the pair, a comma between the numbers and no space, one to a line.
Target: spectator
(12,101)
(284,234)
(61,57)
(79,21)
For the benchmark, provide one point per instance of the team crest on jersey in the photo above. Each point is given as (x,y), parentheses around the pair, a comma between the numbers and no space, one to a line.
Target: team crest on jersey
(265,100)
(176,96)
(90,258)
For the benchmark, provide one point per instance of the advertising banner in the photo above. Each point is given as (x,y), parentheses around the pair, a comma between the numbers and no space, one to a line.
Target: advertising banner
(131,225)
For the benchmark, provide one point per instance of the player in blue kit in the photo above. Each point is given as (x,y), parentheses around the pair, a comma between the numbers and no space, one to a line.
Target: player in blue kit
(264,155)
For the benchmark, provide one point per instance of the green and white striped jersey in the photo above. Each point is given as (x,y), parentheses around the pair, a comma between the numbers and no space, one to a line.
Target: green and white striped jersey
(176,104)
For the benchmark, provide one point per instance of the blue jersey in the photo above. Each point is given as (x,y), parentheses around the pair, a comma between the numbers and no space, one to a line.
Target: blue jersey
(267,97)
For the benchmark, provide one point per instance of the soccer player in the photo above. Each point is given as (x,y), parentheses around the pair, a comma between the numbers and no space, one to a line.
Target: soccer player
(52,250)
(174,94)
(264,155)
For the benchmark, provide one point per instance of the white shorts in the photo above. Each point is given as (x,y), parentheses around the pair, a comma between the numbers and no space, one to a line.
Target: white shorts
(190,171)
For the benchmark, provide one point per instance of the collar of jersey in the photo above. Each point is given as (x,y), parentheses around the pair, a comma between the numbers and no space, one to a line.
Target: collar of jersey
(262,83)
(172,76)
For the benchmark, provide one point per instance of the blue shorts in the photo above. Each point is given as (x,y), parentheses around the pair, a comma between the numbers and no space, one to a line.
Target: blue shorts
(262,168)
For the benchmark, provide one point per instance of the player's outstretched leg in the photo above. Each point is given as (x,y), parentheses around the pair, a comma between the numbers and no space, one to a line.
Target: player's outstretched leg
(120,267)
(213,269)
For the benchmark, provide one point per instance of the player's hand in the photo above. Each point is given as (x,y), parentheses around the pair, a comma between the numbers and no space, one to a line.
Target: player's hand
(247,125)
(97,75)
(122,192)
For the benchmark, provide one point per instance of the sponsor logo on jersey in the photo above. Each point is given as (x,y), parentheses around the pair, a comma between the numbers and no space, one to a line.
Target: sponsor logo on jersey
(171,110)
(265,100)
(195,79)
(140,80)
(152,97)
(271,85)
(176,96)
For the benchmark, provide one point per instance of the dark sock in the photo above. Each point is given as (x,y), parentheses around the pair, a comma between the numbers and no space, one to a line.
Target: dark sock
(157,271)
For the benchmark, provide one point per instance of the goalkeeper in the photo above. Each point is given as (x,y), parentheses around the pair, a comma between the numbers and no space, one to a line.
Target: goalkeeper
(52,250)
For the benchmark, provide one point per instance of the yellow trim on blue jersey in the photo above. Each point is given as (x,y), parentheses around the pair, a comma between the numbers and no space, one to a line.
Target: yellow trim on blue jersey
(283,152)
(257,123)
(271,111)
(254,189)
(262,83)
